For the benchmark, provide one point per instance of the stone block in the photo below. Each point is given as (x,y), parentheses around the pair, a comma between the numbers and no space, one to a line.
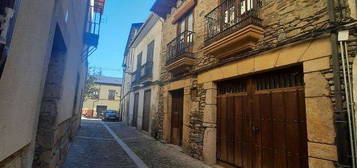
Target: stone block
(291,54)
(204,77)
(317,64)
(316,85)
(317,49)
(319,163)
(246,66)
(211,96)
(209,146)
(216,74)
(266,61)
(210,114)
(320,120)
(229,71)
(323,151)
(209,85)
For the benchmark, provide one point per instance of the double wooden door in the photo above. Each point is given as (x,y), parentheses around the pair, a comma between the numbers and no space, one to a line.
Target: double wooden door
(135,110)
(146,113)
(261,121)
(177,117)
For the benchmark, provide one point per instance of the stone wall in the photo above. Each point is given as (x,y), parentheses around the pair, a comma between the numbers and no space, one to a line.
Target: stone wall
(282,21)
(16,160)
(52,146)
(196,122)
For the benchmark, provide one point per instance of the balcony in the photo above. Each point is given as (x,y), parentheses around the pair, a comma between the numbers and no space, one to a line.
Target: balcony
(233,27)
(143,74)
(180,53)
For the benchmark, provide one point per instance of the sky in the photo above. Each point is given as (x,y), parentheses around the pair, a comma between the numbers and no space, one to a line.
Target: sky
(118,17)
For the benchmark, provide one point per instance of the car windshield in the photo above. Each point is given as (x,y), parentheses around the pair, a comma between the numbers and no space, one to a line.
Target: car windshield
(110,112)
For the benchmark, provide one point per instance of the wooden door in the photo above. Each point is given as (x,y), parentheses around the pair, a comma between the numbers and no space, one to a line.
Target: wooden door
(176,117)
(135,110)
(262,121)
(147,108)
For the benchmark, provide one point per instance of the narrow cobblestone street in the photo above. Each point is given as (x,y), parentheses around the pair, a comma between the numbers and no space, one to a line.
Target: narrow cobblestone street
(95,147)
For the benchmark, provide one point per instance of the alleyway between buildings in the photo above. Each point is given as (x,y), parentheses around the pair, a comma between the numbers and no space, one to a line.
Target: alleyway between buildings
(114,145)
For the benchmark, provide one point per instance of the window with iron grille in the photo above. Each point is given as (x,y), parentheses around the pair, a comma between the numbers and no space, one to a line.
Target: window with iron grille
(111,95)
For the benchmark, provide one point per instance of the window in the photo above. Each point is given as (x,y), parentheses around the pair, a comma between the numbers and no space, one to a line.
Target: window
(186,23)
(111,95)
(96,94)
(150,53)
(138,61)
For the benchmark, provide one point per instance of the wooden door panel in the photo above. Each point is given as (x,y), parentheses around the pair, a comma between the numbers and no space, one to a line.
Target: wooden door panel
(223,130)
(292,114)
(147,107)
(219,122)
(280,159)
(238,108)
(293,135)
(247,155)
(136,109)
(279,135)
(230,129)
(268,129)
(267,158)
(177,117)
(257,157)
(278,105)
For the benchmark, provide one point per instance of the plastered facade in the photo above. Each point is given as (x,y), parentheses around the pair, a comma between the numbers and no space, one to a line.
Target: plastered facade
(25,73)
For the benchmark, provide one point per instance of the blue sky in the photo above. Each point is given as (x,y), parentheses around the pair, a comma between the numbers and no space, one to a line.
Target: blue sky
(118,17)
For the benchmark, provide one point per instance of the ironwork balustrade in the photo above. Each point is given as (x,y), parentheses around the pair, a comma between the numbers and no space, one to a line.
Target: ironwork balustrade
(181,46)
(143,73)
(230,16)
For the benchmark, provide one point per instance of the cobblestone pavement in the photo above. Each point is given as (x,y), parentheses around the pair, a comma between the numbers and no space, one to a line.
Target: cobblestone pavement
(94,147)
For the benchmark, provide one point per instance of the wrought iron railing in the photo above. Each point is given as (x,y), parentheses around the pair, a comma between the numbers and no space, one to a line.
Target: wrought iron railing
(143,73)
(181,46)
(230,16)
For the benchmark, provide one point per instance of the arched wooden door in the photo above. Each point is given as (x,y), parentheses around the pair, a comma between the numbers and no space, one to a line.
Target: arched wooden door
(261,121)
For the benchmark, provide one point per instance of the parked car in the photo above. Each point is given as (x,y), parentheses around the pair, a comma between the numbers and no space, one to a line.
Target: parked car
(110,115)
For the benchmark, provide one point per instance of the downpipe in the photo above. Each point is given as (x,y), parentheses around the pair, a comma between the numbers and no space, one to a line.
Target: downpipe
(344,139)
(343,38)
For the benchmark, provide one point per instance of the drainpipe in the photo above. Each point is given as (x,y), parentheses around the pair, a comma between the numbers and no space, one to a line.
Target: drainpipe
(341,122)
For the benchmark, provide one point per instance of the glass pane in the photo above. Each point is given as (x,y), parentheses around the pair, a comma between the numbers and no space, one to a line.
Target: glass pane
(190,22)
(243,7)
(182,26)
(250,5)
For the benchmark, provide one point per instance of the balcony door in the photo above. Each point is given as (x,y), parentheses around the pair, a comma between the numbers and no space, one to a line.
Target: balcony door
(233,10)
(184,32)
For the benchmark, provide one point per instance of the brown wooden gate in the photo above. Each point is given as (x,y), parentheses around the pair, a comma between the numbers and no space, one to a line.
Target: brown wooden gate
(146,115)
(261,121)
(135,110)
(177,117)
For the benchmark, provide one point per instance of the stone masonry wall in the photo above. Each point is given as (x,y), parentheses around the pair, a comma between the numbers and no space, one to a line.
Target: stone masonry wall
(282,20)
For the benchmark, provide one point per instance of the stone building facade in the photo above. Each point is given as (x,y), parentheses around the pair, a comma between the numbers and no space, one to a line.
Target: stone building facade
(142,75)
(43,69)
(107,97)
(235,46)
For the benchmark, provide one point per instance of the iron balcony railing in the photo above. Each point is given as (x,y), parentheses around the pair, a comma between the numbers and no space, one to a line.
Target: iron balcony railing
(230,16)
(143,73)
(181,46)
